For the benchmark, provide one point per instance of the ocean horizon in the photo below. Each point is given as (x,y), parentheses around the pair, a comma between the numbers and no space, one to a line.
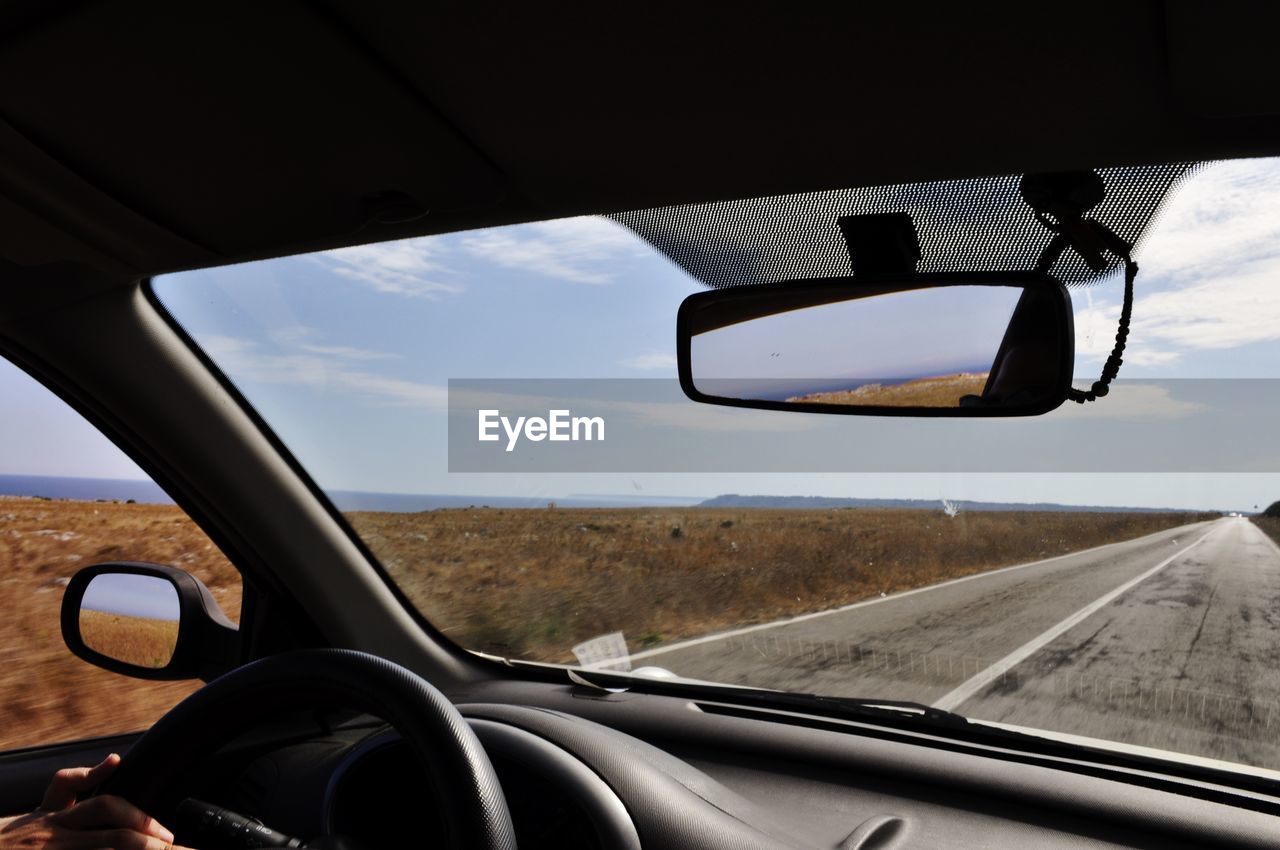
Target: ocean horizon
(148,492)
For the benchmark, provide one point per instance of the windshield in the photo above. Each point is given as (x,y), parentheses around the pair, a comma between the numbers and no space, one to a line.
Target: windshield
(497,415)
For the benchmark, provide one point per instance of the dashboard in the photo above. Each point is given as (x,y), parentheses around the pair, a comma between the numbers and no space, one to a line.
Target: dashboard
(674,773)
(556,801)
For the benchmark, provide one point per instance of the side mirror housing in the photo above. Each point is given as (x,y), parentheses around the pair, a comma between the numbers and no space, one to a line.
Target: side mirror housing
(148,621)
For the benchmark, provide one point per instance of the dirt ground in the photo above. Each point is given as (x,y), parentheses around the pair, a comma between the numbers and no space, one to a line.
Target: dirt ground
(533,583)
(46,693)
(522,583)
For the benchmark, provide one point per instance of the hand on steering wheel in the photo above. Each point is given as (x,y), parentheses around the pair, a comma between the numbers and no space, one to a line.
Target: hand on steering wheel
(98,823)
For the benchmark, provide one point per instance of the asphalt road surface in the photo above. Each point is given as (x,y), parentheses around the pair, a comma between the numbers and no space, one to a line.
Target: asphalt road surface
(1169,641)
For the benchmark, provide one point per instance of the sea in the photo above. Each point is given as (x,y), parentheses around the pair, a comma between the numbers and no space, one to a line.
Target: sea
(123,490)
(148,492)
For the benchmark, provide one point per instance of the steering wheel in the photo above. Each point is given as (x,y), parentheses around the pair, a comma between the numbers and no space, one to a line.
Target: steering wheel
(462,778)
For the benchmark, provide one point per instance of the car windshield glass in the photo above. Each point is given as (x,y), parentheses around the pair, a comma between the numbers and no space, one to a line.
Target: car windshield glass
(497,415)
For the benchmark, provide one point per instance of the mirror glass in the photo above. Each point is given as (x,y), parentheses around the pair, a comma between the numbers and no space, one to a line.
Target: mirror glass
(956,347)
(131,618)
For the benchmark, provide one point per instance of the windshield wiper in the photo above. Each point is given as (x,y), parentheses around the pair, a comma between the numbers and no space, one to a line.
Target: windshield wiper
(870,706)
(845,708)
(860,708)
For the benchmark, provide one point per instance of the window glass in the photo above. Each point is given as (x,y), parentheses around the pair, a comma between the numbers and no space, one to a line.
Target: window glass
(68,499)
(432,386)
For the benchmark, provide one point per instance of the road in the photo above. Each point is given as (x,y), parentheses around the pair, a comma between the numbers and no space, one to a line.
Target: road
(1169,641)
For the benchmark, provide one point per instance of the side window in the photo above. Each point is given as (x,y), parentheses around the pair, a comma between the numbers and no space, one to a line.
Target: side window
(69,498)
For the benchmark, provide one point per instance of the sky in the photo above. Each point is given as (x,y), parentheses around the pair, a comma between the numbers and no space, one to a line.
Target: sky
(133,596)
(348,354)
(894,336)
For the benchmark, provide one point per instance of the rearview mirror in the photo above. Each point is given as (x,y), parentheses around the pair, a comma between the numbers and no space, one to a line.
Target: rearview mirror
(148,621)
(996,344)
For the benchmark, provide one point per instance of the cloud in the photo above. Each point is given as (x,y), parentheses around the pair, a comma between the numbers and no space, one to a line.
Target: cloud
(346,352)
(587,250)
(1208,272)
(322,368)
(1240,309)
(1237,309)
(1132,400)
(1096,336)
(1224,216)
(579,250)
(651,360)
(301,337)
(408,267)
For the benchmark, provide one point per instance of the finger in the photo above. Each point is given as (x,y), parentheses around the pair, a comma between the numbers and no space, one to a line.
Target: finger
(72,781)
(103,769)
(111,812)
(112,839)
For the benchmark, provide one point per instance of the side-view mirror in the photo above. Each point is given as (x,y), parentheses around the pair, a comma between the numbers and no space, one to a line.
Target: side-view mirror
(992,344)
(148,621)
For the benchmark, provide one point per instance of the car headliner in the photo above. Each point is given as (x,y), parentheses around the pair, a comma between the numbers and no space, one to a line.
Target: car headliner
(167,136)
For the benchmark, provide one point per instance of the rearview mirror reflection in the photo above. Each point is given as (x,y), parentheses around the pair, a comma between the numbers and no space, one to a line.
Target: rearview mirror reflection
(938,345)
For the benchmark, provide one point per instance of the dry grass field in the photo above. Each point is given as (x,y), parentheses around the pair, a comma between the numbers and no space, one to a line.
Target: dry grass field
(1271,525)
(46,693)
(136,640)
(941,391)
(532,583)
(524,583)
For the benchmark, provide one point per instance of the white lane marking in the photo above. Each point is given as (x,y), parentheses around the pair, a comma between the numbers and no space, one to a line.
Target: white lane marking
(976,683)
(800,618)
